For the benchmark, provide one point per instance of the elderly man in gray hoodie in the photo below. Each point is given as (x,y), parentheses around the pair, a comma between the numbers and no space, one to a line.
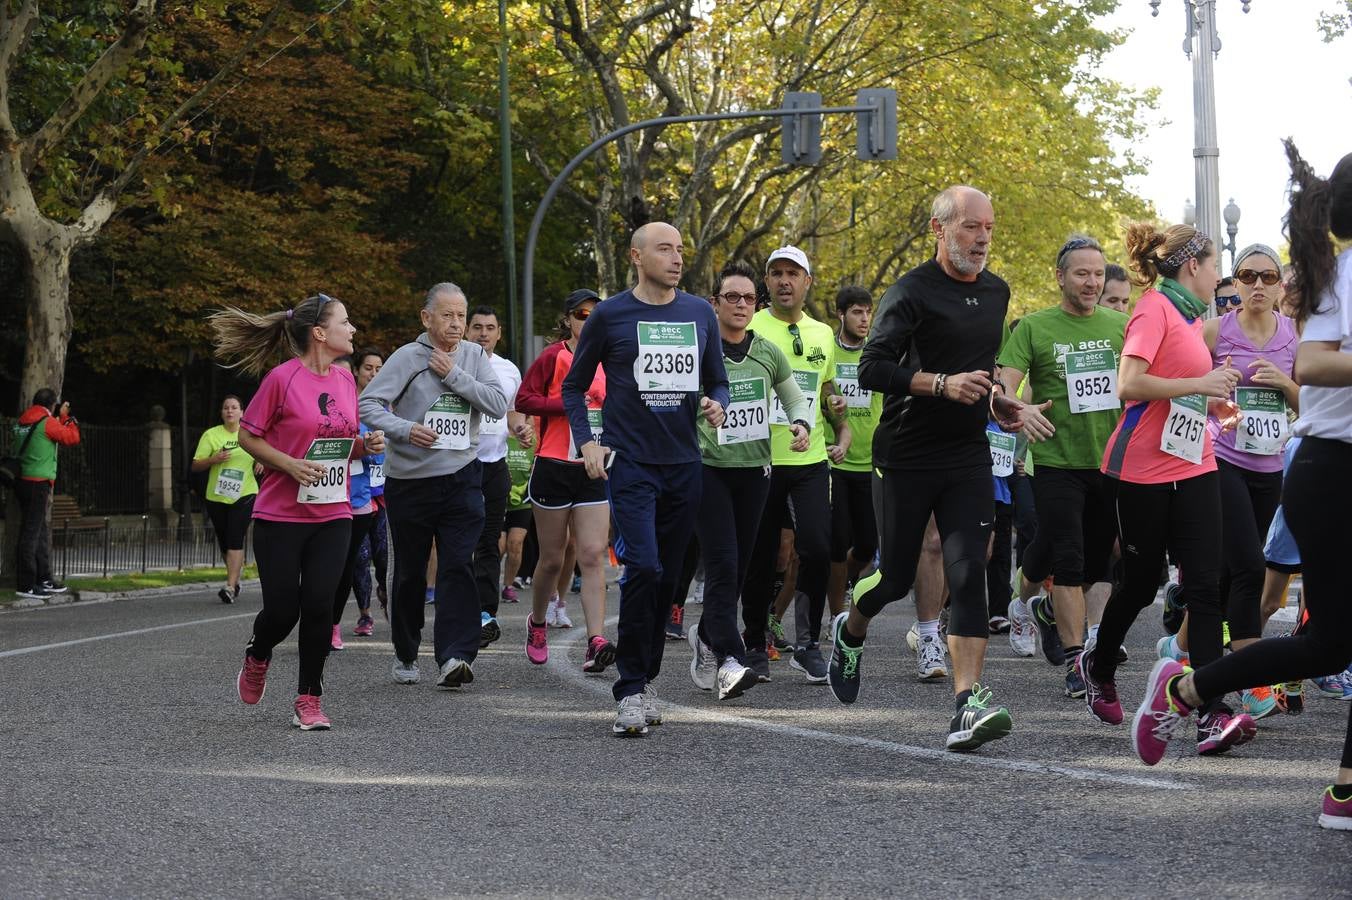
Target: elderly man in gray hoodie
(428,399)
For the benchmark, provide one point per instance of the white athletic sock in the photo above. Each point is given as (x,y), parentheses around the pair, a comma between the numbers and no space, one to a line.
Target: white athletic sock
(928,629)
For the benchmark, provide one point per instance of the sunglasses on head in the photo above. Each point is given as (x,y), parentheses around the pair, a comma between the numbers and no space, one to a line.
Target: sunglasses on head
(797,340)
(1232,300)
(1249,276)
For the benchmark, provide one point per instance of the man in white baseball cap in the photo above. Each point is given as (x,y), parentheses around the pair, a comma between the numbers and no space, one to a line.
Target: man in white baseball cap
(800,482)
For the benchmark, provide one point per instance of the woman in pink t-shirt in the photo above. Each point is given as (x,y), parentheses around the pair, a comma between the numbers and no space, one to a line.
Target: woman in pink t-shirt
(302,424)
(1162,468)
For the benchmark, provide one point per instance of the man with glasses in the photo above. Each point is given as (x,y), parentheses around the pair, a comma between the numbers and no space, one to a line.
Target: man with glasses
(1069,353)
(430,398)
(663,360)
(932,352)
(799,482)
(1227,295)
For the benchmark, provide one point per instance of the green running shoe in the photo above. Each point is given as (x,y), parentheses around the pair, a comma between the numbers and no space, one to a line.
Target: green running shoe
(976,723)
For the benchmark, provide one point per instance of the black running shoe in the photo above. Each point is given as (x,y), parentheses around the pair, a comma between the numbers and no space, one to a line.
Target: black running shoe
(843,672)
(976,723)
(1048,637)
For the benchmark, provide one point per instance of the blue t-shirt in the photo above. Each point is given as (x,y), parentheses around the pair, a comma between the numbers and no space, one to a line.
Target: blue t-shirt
(675,349)
(359,485)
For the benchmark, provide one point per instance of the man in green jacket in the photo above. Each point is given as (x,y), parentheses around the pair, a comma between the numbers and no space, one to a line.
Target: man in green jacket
(36,437)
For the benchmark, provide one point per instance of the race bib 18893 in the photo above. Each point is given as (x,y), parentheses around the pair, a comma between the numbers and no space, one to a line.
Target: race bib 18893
(449,418)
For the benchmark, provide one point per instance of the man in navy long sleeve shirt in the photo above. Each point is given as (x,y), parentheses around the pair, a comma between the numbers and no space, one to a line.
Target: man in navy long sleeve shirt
(661,351)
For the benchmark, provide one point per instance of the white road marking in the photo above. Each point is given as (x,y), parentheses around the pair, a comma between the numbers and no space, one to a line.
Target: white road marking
(571,672)
(38,648)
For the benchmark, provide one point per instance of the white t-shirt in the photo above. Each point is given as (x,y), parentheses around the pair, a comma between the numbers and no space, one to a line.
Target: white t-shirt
(1326,412)
(493,432)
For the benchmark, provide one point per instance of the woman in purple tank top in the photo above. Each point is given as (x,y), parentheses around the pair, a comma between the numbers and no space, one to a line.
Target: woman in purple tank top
(1261,343)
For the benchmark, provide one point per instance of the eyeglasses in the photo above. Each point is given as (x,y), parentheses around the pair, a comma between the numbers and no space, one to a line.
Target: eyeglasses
(1249,276)
(738,299)
(797,340)
(580,314)
(1232,300)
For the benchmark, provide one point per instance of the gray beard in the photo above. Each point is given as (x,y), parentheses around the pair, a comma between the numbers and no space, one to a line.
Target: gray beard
(960,260)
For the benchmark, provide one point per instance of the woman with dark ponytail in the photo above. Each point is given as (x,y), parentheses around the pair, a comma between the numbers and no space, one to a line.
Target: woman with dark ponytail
(302,423)
(1161,466)
(1317,492)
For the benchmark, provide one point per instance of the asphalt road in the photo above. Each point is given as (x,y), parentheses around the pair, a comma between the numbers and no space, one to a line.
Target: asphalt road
(130,769)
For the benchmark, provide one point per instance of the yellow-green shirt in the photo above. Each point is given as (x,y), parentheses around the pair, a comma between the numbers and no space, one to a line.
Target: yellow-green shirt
(813,366)
(863,409)
(233,479)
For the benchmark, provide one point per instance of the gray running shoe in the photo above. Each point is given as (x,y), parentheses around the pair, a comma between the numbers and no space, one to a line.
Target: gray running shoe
(454,673)
(405,673)
(809,661)
(629,721)
(759,662)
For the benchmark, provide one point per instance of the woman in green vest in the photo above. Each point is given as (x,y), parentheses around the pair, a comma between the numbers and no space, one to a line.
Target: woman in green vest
(231,488)
(737,478)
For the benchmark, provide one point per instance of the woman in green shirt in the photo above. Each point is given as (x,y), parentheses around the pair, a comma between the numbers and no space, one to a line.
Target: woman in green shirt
(231,488)
(737,478)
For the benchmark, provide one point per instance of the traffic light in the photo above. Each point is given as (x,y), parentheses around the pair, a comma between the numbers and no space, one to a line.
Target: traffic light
(877,126)
(802,132)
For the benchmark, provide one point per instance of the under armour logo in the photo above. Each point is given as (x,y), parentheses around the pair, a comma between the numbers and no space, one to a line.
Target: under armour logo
(972,301)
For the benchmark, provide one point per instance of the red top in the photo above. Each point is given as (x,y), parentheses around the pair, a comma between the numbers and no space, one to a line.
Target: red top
(539,395)
(1173,347)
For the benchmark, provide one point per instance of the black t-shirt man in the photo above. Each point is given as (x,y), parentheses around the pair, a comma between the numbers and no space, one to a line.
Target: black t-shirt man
(929,321)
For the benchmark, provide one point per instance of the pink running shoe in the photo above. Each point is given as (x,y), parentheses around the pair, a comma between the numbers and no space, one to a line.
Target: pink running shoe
(1220,730)
(1160,716)
(252,681)
(309,716)
(600,653)
(509,595)
(336,642)
(537,643)
(1335,814)
(365,626)
(1100,698)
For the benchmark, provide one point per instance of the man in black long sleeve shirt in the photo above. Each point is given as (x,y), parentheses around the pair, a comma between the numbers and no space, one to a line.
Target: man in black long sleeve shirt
(932,353)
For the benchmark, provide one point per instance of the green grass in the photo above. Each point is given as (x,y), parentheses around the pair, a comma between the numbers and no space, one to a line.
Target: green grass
(138,580)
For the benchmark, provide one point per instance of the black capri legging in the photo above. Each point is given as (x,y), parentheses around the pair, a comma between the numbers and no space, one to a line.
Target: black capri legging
(1316,497)
(230,521)
(962,502)
(1076,528)
(1249,500)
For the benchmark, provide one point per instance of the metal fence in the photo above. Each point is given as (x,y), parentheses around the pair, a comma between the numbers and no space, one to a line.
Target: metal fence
(108,472)
(98,550)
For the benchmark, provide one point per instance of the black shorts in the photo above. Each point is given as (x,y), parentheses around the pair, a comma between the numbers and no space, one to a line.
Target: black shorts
(852,524)
(1076,528)
(231,522)
(517,518)
(555,484)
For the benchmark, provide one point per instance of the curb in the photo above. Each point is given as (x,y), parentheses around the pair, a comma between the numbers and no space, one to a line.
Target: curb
(108,596)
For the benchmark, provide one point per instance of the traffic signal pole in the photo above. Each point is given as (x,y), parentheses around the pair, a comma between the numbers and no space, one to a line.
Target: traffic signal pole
(800,134)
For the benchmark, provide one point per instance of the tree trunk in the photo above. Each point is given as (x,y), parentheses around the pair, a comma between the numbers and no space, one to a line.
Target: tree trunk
(47,279)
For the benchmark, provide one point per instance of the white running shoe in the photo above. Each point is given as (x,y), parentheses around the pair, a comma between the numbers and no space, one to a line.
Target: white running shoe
(930,662)
(552,612)
(454,673)
(651,714)
(704,669)
(913,637)
(405,673)
(697,595)
(734,679)
(1022,631)
(629,720)
(561,619)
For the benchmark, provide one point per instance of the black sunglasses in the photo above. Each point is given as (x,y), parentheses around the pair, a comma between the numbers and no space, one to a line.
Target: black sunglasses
(797,340)
(1249,276)
(1232,300)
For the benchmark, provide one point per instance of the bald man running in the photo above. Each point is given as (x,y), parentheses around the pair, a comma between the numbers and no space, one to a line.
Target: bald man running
(663,359)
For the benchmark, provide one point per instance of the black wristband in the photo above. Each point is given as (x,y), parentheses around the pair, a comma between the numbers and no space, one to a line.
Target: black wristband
(806,427)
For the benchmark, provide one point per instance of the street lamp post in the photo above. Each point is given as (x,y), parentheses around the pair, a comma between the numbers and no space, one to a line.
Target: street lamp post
(1201,44)
(1231,229)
